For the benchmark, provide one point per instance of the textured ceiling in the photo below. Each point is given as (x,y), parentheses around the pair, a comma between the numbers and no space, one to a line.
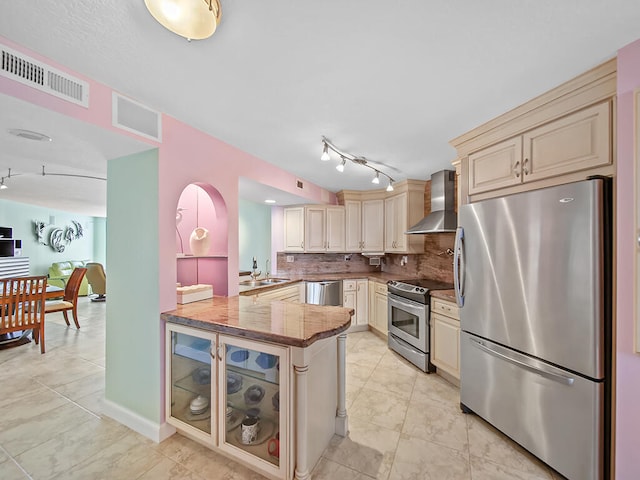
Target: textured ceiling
(392,81)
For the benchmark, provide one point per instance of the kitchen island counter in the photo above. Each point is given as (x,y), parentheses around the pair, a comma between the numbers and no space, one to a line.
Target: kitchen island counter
(284,323)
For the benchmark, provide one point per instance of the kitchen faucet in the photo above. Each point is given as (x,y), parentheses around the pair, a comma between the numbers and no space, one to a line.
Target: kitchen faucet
(254,270)
(266,268)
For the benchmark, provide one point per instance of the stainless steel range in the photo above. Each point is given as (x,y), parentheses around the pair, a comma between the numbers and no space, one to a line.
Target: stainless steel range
(408,318)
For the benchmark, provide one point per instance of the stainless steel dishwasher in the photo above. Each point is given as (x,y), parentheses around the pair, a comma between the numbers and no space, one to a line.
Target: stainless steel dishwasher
(326,292)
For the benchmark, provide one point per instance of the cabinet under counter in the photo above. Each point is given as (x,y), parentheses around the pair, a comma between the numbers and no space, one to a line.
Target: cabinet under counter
(295,354)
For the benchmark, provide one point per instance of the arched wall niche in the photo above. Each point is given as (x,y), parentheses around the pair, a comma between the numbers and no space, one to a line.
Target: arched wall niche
(201,205)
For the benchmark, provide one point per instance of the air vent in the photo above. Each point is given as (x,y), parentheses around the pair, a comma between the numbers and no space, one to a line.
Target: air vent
(136,118)
(28,71)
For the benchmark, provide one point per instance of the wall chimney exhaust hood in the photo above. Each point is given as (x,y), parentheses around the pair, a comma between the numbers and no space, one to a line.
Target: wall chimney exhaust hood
(442,218)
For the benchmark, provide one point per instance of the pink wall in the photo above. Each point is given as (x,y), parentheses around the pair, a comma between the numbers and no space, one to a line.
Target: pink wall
(627,362)
(186,156)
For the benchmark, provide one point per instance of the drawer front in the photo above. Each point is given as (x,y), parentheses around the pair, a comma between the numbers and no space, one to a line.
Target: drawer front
(381,288)
(445,308)
(348,285)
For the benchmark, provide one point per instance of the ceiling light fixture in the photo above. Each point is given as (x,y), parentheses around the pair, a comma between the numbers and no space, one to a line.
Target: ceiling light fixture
(191,19)
(325,153)
(268,200)
(47,174)
(344,156)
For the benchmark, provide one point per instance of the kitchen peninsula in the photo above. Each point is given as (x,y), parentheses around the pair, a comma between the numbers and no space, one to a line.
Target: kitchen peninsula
(233,362)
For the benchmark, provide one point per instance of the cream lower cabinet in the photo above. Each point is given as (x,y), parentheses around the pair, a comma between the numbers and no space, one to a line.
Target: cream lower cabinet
(356,295)
(378,313)
(217,383)
(290,293)
(576,142)
(445,336)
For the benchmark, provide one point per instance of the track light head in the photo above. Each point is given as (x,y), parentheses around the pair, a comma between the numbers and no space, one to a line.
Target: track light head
(325,153)
(340,166)
(376,179)
(390,186)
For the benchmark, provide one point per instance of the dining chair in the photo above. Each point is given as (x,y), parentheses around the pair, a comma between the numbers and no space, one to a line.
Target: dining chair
(70,299)
(22,306)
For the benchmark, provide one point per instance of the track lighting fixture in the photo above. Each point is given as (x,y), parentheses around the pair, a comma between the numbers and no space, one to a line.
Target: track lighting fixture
(4,186)
(325,154)
(344,156)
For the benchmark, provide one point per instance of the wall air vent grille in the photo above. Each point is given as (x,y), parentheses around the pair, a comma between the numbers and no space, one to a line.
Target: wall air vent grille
(136,118)
(28,71)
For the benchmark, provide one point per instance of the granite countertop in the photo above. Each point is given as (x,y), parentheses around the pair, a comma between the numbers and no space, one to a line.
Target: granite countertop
(448,295)
(382,277)
(284,323)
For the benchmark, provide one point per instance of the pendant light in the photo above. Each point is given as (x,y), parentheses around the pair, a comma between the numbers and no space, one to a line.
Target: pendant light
(191,19)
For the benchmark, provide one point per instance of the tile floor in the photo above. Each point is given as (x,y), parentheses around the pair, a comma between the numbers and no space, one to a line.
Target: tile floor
(403,424)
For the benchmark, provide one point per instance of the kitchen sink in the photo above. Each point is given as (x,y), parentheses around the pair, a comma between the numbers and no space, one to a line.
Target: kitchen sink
(262,283)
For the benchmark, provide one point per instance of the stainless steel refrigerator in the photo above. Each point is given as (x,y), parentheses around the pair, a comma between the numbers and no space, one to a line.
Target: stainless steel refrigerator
(533,279)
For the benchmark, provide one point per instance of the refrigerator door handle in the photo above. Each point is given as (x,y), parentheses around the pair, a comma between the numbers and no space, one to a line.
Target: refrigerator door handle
(458,266)
(556,377)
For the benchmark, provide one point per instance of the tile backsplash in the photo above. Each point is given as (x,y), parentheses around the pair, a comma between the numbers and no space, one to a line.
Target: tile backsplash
(435,263)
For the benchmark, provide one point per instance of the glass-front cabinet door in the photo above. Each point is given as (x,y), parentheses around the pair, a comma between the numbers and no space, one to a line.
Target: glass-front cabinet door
(190,374)
(253,410)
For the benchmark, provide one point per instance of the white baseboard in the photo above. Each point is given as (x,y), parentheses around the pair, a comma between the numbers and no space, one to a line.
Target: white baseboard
(144,426)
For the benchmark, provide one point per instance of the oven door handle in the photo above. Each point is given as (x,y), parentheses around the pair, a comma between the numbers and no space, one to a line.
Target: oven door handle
(410,307)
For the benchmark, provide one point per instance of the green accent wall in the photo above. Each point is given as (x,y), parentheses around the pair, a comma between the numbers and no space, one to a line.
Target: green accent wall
(133,327)
(20,217)
(254,234)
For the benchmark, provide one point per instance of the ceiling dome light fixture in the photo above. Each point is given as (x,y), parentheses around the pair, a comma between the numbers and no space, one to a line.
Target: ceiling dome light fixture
(344,156)
(191,19)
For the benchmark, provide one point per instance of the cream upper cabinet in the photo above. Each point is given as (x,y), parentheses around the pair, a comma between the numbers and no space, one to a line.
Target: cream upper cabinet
(324,229)
(495,167)
(373,225)
(294,229)
(564,135)
(353,225)
(445,336)
(364,224)
(575,142)
(400,212)
(314,228)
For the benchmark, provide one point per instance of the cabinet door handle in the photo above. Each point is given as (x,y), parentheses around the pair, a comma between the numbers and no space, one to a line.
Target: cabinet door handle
(218,352)
(525,169)
(516,169)
(301,244)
